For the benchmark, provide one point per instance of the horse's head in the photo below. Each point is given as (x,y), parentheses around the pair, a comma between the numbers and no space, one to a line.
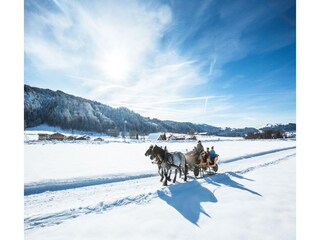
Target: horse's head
(149,151)
(158,151)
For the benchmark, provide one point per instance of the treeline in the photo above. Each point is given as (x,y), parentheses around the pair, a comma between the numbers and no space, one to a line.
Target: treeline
(56,108)
(268,134)
(71,112)
(280,127)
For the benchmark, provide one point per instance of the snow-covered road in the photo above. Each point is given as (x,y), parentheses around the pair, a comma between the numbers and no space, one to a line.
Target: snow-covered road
(74,201)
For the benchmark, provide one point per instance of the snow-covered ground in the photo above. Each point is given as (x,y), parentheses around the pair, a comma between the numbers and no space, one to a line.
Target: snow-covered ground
(111,190)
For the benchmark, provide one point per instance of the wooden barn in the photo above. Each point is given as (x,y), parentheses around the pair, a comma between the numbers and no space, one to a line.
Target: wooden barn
(57,136)
(43,136)
(83,138)
(98,139)
(71,138)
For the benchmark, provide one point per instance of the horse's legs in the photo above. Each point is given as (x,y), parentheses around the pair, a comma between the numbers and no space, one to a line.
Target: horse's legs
(169,175)
(179,169)
(185,172)
(175,175)
(160,171)
(162,176)
(165,183)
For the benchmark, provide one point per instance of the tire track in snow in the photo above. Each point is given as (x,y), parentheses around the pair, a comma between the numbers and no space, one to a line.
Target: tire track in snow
(36,188)
(50,219)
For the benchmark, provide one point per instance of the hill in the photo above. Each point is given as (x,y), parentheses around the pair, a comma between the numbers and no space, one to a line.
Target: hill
(56,108)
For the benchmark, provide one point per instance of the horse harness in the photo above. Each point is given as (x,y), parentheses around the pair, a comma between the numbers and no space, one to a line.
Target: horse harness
(169,156)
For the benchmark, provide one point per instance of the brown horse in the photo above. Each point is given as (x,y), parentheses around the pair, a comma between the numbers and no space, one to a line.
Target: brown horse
(194,158)
(197,160)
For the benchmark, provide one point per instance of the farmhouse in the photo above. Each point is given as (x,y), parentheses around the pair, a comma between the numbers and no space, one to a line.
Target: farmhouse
(172,137)
(157,136)
(191,138)
(83,138)
(179,137)
(71,137)
(98,139)
(57,136)
(43,136)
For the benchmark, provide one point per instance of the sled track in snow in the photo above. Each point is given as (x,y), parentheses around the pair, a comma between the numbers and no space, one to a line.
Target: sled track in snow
(36,188)
(50,219)
(225,175)
(59,185)
(249,169)
(256,155)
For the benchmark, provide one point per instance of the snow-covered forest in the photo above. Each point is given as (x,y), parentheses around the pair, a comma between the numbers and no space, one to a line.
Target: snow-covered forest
(44,106)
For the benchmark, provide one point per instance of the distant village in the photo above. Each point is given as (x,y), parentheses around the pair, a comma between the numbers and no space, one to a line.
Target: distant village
(161,136)
(60,136)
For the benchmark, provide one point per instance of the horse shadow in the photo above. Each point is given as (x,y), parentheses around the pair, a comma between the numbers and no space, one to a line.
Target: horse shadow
(186,198)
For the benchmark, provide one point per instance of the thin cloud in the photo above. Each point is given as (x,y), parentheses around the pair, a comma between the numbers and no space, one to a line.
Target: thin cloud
(154,57)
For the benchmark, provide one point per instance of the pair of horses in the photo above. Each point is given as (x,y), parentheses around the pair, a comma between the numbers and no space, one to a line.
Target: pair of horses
(167,161)
(196,162)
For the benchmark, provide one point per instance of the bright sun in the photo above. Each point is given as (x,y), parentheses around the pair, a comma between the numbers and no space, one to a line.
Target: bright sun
(116,66)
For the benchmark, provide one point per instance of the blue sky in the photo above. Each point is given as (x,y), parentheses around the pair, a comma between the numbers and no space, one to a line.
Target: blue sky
(224,63)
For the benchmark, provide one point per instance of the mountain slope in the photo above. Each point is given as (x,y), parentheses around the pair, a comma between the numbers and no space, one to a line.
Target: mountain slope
(56,108)
(291,127)
(71,112)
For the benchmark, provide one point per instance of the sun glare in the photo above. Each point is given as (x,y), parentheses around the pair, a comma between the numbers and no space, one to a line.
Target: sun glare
(116,66)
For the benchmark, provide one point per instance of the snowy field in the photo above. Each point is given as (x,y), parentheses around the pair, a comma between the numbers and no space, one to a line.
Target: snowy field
(110,190)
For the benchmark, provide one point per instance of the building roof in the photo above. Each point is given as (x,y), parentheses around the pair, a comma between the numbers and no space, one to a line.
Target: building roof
(155,136)
(57,135)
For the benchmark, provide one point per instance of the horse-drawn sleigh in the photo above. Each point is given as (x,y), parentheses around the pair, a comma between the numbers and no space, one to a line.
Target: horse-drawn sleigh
(200,163)
(166,161)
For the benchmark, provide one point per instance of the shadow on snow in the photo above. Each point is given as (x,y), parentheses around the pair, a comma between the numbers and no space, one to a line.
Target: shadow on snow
(187,198)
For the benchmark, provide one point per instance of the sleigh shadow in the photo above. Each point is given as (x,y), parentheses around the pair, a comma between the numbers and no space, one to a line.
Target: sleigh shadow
(187,198)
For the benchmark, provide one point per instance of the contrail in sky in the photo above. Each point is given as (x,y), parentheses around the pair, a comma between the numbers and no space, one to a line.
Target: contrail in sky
(205,105)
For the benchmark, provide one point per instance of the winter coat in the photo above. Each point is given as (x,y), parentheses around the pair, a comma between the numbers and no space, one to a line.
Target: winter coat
(199,148)
(212,154)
